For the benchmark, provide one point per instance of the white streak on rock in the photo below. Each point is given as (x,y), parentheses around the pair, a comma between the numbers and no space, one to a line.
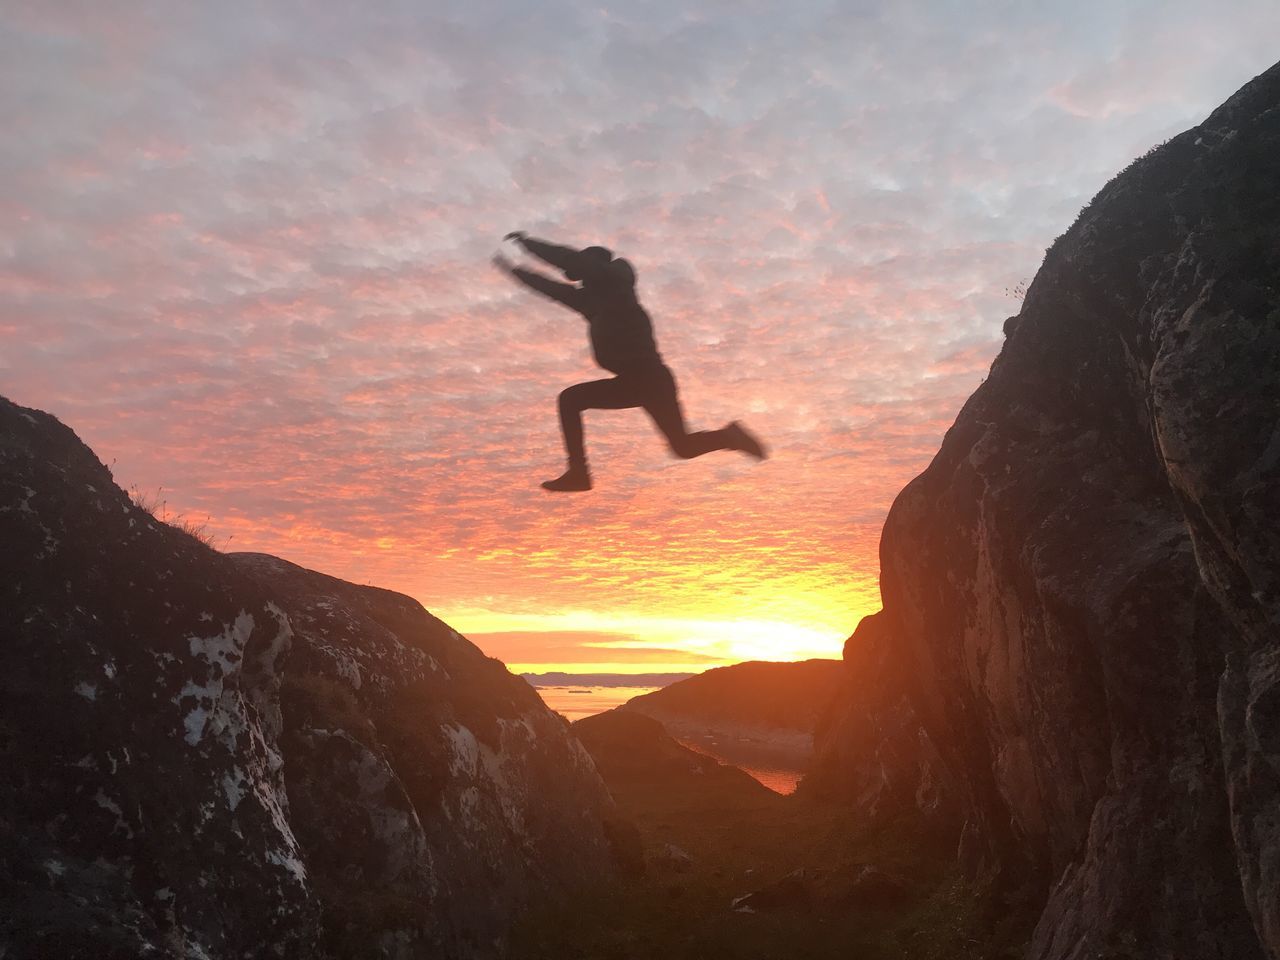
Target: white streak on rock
(464,750)
(290,862)
(233,787)
(223,653)
(106,803)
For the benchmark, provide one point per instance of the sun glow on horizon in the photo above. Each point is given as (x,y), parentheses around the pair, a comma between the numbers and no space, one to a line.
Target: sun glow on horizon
(575,668)
(638,643)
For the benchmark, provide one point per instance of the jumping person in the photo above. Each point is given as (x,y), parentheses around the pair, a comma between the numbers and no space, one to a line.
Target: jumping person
(622,342)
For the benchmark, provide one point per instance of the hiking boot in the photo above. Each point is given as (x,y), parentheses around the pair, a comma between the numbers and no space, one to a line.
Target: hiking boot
(577,477)
(741,439)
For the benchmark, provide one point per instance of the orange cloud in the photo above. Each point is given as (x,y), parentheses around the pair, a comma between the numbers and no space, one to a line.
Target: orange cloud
(246,259)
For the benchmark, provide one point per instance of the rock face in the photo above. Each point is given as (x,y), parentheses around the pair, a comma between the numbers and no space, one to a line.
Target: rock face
(228,756)
(1079,651)
(873,748)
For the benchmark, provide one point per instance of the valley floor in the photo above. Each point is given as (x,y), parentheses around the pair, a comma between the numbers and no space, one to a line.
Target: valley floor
(738,842)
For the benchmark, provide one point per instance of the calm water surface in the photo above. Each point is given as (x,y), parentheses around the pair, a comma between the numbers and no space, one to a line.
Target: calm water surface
(576,702)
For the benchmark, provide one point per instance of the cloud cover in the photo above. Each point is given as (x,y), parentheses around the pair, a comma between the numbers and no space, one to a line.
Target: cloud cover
(246,258)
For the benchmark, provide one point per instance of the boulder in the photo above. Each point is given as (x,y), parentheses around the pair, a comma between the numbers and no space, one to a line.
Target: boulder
(227,756)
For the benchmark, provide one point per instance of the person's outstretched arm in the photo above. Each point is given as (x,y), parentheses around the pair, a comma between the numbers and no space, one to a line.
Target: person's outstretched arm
(565,293)
(569,260)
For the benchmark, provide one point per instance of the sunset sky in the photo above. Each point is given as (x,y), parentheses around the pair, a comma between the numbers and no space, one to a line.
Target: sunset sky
(246,247)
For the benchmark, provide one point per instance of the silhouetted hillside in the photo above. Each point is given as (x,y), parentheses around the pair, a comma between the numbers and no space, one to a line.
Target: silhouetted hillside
(632,748)
(783,696)
(230,756)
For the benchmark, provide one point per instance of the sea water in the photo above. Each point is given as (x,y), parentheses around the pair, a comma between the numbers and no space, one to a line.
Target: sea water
(576,702)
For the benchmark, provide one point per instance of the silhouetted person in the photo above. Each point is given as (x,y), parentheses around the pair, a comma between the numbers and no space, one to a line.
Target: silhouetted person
(622,342)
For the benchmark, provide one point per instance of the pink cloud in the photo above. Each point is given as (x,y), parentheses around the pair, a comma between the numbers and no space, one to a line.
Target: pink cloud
(247,262)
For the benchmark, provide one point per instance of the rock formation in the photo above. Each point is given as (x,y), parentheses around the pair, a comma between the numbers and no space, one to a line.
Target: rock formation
(873,749)
(228,756)
(1078,659)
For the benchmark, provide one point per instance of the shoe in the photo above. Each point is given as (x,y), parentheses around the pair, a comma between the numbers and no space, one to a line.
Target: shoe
(574,479)
(741,439)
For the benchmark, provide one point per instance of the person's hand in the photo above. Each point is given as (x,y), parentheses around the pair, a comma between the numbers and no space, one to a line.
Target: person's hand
(502,263)
(516,235)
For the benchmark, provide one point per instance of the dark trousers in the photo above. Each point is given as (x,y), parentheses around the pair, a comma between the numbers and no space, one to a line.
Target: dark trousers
(654,389)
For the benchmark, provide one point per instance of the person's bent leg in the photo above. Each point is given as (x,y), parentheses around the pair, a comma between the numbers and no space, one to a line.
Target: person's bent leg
(611,394)
(569,406)
(608,394)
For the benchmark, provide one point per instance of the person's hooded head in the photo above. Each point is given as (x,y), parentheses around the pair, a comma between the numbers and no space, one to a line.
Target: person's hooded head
(601,255)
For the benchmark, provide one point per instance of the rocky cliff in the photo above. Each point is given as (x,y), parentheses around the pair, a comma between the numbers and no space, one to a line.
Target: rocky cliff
(228,756)
(1076,672)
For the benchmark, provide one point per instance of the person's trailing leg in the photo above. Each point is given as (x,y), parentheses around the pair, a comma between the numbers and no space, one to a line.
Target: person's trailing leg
(740,438)
(663,404)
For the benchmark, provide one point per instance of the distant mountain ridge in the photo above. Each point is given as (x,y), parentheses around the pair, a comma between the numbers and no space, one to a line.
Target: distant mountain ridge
(769,695)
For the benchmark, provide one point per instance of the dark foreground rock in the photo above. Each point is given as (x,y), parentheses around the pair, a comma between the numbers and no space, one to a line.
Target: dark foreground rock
(866,888)
(874,749)
(1081,624)
(793,892)
(873,887)
(228,756)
